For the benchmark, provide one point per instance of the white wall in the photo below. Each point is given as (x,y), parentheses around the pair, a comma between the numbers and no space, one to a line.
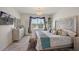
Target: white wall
(25,21)
(5,36)
(6,30)
(64,13)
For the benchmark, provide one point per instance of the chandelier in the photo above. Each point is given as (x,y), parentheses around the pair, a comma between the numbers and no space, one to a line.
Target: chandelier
(39,11)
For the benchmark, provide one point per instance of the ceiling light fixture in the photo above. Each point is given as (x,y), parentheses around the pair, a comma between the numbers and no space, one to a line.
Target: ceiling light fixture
(39,11)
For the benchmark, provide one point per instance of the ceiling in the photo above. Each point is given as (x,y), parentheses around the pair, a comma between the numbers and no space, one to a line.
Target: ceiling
(33,10)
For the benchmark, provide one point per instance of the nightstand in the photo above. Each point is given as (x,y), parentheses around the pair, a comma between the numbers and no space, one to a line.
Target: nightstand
(76,44)
(15,34)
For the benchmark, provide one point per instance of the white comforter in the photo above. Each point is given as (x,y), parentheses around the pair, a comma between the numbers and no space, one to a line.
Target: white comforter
(55,40)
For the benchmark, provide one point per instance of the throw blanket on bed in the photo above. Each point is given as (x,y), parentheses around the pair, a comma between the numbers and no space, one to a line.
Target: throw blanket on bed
(45,40)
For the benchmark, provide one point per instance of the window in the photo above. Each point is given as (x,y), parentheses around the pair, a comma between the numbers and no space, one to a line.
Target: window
(37,23)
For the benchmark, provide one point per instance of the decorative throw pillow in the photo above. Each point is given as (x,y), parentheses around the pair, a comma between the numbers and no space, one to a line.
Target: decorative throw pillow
(59,32)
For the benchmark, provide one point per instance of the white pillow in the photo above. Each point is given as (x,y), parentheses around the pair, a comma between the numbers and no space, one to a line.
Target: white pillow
(71,33)
(64,33)
(54,32)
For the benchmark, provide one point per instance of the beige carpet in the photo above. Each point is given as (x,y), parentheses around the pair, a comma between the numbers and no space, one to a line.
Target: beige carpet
(20,45)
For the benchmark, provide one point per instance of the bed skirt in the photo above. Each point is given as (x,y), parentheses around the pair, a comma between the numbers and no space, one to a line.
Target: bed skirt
(65,47)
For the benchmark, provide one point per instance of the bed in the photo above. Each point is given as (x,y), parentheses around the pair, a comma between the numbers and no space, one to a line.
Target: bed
(52,41)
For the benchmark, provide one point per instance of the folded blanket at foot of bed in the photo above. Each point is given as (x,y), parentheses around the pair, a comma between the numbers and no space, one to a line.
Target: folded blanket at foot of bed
(45,40)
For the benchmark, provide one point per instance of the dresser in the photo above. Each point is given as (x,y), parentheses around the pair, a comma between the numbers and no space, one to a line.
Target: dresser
(17,34)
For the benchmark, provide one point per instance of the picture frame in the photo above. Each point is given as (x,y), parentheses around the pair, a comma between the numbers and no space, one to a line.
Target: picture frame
(6,19)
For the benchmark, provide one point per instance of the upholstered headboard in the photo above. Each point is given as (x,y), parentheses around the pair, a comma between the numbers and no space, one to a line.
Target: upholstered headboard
(66,23)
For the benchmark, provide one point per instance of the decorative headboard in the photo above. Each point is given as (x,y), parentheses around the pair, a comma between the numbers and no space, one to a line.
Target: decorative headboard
(66,23)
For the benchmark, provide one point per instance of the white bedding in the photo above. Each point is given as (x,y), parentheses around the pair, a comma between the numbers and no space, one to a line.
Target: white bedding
(55,40)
